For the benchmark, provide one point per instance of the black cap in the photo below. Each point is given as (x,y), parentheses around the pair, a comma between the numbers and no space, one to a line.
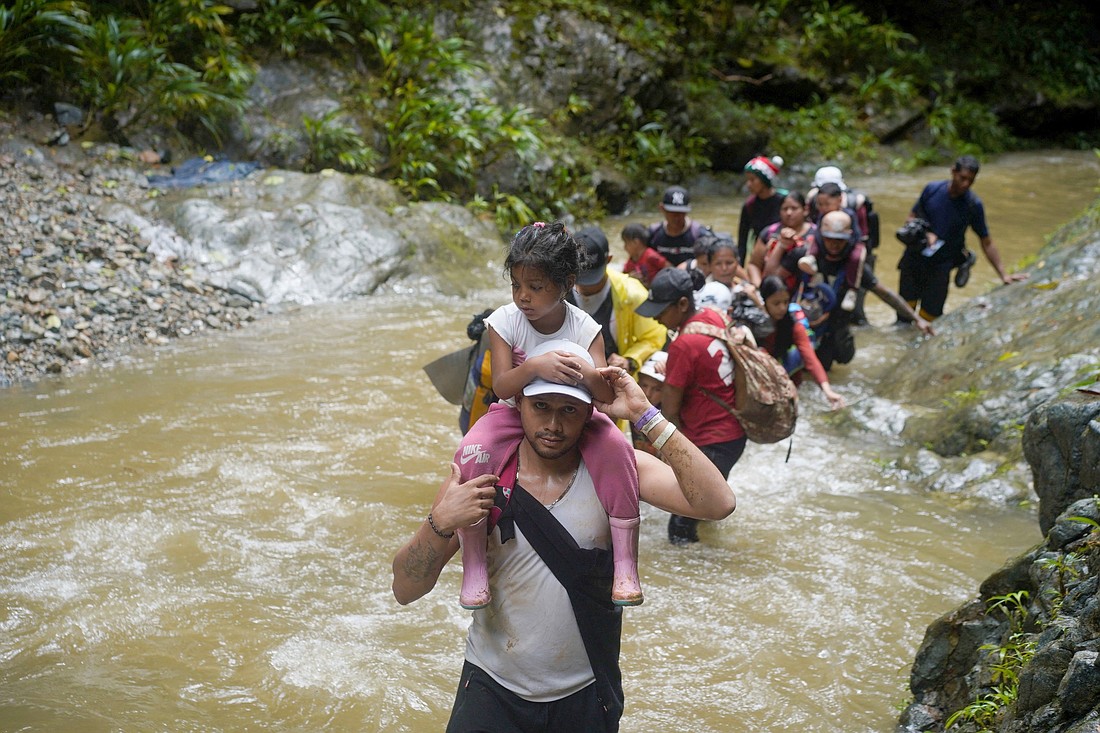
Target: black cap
(595,242)
(669,285)
(676,199)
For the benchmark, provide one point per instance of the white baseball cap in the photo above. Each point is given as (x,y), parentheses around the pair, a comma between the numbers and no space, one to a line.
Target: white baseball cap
(828,174)
(650,367)
(539,385)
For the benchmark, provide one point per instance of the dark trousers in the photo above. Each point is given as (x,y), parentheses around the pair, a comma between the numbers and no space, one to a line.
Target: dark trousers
(722,455)
(859,316)
(483,706)
(924,282)
(836,342)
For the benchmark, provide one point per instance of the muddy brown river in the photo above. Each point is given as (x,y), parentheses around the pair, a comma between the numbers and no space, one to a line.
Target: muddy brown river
(199,537)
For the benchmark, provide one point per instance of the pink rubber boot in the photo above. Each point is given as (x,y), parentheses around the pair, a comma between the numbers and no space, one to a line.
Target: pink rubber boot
(475,567)
(626,589)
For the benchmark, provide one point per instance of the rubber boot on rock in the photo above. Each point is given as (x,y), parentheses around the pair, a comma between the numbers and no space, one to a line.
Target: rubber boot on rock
(475,567)
(626,589)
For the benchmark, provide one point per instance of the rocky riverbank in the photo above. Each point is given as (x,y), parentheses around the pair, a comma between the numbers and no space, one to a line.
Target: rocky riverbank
(1022,656)
(97,260)
(77,287)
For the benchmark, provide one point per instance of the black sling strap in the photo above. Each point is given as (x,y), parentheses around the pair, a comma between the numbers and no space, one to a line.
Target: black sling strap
(586,575)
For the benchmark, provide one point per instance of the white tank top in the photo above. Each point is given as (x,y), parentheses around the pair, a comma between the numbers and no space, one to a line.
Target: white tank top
(527,638)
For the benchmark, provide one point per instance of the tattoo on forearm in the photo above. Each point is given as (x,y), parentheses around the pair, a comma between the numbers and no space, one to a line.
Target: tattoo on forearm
(420,562)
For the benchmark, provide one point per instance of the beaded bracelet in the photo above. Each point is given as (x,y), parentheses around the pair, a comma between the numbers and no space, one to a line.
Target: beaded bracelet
(646,417)
(431,523)
(659,443)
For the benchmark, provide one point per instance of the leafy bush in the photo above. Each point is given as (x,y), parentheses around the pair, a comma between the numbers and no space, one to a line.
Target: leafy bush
(35,35)
(827,130)
(332,144)
(194,33)
(960,125)
(1005,663)
(293,26)
(652,150)
(127,80)
(437,135)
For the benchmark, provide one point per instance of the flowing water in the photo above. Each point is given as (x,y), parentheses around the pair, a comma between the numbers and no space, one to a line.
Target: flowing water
(199,538)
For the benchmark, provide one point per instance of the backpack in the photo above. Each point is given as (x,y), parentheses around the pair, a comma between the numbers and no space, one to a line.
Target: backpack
(478,392)
(816,301)
(866,215)
(745,312)
(766,398)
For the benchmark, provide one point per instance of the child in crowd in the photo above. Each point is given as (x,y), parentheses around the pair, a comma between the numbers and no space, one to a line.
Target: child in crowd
(790,343)
(643,262)
(725,271)
(651,378)
(701,261)
(542,263)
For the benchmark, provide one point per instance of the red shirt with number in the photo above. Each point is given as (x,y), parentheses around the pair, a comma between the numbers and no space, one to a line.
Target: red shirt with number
(695,361)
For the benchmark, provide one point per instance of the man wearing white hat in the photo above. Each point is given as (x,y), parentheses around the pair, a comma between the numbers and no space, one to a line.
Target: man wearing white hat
(544,655)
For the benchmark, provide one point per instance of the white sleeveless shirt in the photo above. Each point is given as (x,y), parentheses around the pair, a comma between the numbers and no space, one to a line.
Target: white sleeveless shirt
(527,638)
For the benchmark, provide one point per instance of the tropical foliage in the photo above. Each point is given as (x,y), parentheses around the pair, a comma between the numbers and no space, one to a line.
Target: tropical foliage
(420,117)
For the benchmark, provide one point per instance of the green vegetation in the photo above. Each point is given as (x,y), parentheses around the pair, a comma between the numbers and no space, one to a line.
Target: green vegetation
(1006,662)
(334,144)
(811,80)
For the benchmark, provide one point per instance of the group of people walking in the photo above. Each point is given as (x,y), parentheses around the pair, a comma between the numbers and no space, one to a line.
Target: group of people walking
(601,387)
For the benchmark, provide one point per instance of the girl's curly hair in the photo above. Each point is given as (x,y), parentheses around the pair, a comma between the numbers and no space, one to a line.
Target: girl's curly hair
(551,249)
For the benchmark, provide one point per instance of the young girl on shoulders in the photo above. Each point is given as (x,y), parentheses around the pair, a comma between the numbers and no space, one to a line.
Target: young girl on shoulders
(542,265)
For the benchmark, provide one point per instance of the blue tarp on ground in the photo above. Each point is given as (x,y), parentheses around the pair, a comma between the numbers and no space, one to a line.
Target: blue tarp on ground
(199,171)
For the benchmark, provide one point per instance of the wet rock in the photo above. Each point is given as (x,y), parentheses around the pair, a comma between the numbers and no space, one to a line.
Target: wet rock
(1056,439)
(920,718)
(67,114)
(1080,688)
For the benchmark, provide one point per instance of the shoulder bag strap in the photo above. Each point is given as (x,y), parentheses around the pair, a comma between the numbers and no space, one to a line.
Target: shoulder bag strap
(587,576)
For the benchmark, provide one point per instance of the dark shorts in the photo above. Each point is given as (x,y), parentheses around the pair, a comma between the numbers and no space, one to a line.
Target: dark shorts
(924,282)
(484,706)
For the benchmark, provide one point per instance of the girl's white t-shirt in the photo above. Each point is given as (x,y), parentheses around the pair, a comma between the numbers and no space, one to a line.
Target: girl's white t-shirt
(512,326)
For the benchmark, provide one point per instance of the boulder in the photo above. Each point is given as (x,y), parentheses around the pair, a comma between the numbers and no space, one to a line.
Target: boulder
(1062,444)
(1057,583)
